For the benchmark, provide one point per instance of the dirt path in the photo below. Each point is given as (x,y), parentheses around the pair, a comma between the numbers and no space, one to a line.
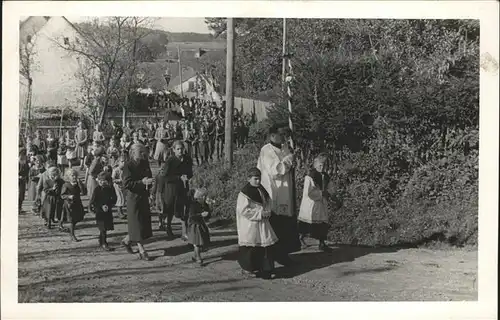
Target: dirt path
(53,269)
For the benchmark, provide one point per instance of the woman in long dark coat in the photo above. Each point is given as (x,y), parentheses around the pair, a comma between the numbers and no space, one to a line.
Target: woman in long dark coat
(137,180)
(52,203)
(176,171)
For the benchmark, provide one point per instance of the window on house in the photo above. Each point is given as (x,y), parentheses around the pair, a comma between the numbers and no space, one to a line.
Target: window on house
(28,38)
(66,41)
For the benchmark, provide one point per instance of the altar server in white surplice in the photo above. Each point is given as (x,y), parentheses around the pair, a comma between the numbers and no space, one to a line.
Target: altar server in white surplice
(255,234)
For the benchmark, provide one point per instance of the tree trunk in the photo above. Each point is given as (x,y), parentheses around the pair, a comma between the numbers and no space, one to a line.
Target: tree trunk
(103,113)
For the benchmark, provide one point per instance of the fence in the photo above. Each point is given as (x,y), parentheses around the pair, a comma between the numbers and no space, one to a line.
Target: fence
(249,106)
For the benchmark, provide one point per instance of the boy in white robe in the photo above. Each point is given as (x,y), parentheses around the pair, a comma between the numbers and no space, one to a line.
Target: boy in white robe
(313,213)
(255,234)
(276,162)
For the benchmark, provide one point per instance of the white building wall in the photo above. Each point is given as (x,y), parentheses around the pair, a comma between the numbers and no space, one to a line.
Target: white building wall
(54,81)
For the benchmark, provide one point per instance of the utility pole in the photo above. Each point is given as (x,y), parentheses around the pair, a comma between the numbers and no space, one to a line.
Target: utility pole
(180,69)
(287,78)
(228,141)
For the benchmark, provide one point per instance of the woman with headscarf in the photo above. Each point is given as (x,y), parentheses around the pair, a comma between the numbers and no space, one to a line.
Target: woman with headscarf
(137,180)
(176,171)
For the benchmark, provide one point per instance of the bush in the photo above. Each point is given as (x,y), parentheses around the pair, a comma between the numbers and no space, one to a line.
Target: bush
(376,203)
(224,184)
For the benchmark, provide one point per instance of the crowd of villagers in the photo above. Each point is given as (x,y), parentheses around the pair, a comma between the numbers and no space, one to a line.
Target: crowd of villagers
(113,170)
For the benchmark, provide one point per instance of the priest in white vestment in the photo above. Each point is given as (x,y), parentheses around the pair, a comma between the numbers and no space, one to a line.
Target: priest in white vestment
(276,162)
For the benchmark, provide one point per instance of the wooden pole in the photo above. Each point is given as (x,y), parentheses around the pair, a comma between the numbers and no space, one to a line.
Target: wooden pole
(180,69)
(228,141)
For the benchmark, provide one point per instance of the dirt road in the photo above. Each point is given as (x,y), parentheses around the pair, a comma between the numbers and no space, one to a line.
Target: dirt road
(54,269)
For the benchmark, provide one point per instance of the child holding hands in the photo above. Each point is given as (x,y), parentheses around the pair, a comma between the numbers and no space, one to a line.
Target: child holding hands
(198,233)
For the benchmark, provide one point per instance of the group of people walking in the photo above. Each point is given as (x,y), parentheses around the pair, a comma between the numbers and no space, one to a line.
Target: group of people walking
(118,174)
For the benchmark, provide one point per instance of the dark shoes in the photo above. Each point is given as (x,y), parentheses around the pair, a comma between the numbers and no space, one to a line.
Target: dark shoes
(144,256)
(199,261)
(127,247)
(323,247)
(105,247)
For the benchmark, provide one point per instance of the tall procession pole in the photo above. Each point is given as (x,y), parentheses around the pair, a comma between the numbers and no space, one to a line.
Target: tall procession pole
(286,84)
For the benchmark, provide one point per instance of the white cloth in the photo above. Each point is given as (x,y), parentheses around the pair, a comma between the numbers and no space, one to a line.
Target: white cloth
(275,165)
(253,229)
(313,208)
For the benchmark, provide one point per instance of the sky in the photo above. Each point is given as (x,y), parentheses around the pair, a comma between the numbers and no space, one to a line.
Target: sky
(196,25)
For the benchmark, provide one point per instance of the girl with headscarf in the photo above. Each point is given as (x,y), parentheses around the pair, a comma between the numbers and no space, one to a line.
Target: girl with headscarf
(71,193)
(137,180)
(256,237)
(176,171)
(313,213)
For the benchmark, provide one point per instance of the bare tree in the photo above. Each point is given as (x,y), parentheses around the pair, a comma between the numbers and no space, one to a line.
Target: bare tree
(110,47)
(27,65)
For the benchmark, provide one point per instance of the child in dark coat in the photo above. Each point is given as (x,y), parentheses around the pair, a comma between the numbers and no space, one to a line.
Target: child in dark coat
(198,233)
(101,203)
(71,194)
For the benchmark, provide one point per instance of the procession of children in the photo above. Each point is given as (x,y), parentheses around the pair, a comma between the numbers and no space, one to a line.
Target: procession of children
(51,171)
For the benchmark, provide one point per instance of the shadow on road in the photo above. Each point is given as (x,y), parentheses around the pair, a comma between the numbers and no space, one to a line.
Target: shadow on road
(186,248)
(309,261)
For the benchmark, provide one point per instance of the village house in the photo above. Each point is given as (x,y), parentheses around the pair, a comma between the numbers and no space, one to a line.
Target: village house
(48,76)
(194,84)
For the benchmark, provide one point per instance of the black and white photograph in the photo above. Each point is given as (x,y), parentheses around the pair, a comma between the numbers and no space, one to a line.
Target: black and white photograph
(249,158)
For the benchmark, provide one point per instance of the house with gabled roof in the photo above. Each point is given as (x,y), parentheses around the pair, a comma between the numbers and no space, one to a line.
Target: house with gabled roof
(48,78)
